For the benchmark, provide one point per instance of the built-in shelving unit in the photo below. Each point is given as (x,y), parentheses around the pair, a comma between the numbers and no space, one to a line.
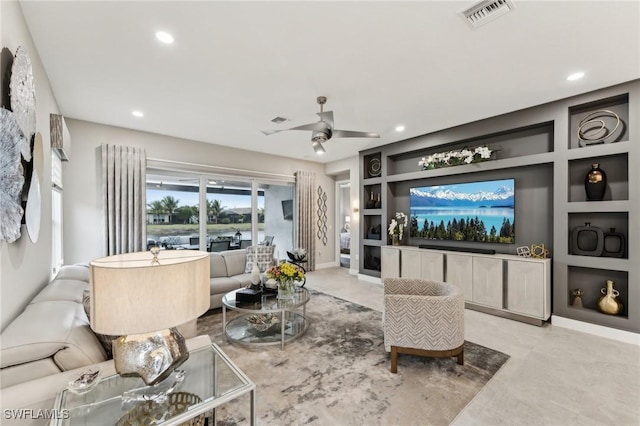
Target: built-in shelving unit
(540,148)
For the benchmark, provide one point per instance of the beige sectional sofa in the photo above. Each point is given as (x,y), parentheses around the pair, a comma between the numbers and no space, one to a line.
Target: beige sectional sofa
(227,273)
(230,270)
(52,334)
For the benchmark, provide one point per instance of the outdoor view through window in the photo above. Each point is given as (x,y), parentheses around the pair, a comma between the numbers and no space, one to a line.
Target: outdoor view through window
(173,214)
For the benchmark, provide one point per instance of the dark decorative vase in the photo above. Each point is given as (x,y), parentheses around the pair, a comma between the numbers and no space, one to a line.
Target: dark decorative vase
(595,183)
(378,202)
(587,240)
(371,203)
(614,244)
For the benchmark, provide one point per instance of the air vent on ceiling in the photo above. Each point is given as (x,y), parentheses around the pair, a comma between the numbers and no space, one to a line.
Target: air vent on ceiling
(486,11)
(278,120)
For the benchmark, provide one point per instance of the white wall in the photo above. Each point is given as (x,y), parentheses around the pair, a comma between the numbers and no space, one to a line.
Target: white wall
(25,267)
(82,182)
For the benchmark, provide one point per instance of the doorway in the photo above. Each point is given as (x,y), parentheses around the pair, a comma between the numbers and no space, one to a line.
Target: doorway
(343,222)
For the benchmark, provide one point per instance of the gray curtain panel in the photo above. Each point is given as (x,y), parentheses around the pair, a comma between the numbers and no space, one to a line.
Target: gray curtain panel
(124,198)
(305,184)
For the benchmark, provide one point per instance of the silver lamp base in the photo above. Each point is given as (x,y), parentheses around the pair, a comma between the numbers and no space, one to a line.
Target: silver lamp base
(151,356)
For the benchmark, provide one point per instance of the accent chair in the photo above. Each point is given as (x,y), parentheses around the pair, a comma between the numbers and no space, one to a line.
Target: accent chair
(424,318)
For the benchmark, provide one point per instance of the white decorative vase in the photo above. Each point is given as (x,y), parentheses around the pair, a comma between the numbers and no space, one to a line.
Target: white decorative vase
(256,279)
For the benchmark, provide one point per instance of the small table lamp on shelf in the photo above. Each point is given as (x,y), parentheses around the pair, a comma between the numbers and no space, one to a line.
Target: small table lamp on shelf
(142,297)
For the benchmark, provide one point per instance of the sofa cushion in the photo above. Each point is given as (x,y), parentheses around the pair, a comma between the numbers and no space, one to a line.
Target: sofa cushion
(261,256)
(74,272)
(218,266)
(33,336)
(62,289)
(236,261)
(244,279)
(106,340)
(224,285)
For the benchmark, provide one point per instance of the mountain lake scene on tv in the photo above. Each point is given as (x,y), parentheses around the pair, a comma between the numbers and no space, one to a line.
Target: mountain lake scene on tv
(477,211)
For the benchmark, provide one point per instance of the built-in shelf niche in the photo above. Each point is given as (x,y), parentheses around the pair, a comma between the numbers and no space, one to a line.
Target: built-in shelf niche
(372,193)
(591,281)
(616,168)
(618,105)
(372,227)
(605,221)
(524,141)
(372,165)
(371,258)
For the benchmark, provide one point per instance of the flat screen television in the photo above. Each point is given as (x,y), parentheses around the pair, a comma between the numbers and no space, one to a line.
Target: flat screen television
(482,211)
(287,209)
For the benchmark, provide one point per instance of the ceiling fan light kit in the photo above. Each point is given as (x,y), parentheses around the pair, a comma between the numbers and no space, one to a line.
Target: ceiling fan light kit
(323,130)
(318,148)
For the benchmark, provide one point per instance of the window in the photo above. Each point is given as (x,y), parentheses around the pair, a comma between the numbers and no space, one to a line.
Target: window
(57,255)
(239,212)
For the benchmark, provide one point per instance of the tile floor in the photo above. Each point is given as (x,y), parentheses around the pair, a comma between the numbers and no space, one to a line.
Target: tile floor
(555,376)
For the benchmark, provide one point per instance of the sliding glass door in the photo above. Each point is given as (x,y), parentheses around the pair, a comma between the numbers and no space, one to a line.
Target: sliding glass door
(238,212)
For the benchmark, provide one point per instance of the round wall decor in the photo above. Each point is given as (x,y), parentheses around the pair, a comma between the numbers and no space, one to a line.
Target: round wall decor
(23,96)
(11,176)
(374,168)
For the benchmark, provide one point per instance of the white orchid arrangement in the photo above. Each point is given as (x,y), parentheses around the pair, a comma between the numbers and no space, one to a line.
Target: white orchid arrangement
(397,225)
(455,158)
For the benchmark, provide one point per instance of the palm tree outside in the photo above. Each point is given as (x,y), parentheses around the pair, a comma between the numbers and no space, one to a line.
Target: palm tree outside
(170,205)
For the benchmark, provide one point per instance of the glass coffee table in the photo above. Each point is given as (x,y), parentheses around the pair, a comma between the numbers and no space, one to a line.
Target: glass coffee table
(271,321)
(210,380)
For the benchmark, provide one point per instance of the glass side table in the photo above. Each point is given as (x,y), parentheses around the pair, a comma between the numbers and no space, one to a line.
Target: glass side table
(287,323)
(210,377)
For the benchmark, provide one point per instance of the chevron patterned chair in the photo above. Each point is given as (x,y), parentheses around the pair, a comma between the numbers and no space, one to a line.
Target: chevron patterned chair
(423,317)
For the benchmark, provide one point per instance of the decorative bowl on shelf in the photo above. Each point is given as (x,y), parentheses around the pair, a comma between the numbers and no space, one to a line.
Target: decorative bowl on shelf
(84,381)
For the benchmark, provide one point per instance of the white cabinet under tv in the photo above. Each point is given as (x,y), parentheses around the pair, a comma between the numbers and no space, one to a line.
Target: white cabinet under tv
(505,285)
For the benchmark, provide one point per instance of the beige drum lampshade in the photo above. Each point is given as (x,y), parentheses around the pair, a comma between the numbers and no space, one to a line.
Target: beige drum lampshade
(130,294)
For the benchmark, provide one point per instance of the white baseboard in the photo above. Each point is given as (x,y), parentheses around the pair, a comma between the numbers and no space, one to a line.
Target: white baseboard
(598,330)
(370,279)
(327,265)
(353,272)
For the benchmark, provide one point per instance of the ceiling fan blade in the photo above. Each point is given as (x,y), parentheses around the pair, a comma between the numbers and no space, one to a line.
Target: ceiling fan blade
(352,134)
(270,132)
(313,126)
(327,117)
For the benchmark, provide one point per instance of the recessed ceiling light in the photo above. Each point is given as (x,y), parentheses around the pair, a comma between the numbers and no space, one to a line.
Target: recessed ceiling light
(137,113)
(575,76)
(400,128)
(164,37)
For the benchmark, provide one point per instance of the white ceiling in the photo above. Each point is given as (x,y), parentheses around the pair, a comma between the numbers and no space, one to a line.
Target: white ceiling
(235,65)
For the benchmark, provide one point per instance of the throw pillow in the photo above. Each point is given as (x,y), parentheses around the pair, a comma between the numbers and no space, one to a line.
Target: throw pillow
(261,256)
(105,340)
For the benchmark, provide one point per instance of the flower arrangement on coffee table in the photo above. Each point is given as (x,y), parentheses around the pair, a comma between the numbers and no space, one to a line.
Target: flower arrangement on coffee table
(286,274)
(455,158)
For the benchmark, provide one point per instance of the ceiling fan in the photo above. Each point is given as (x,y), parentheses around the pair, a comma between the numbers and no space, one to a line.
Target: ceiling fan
(323,130)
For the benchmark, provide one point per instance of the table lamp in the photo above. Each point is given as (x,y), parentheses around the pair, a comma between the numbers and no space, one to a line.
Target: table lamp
(142,297)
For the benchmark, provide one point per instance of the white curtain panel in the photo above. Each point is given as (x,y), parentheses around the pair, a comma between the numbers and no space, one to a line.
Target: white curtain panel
(124,198)
(305,183)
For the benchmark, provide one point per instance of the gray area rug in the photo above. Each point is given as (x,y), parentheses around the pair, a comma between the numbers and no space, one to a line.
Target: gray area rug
(338,374)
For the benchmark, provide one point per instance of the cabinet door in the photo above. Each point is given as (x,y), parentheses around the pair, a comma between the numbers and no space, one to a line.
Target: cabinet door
(410,264)
(432,266)
(526,288)
(459,273)
(487,282)
(390,258)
